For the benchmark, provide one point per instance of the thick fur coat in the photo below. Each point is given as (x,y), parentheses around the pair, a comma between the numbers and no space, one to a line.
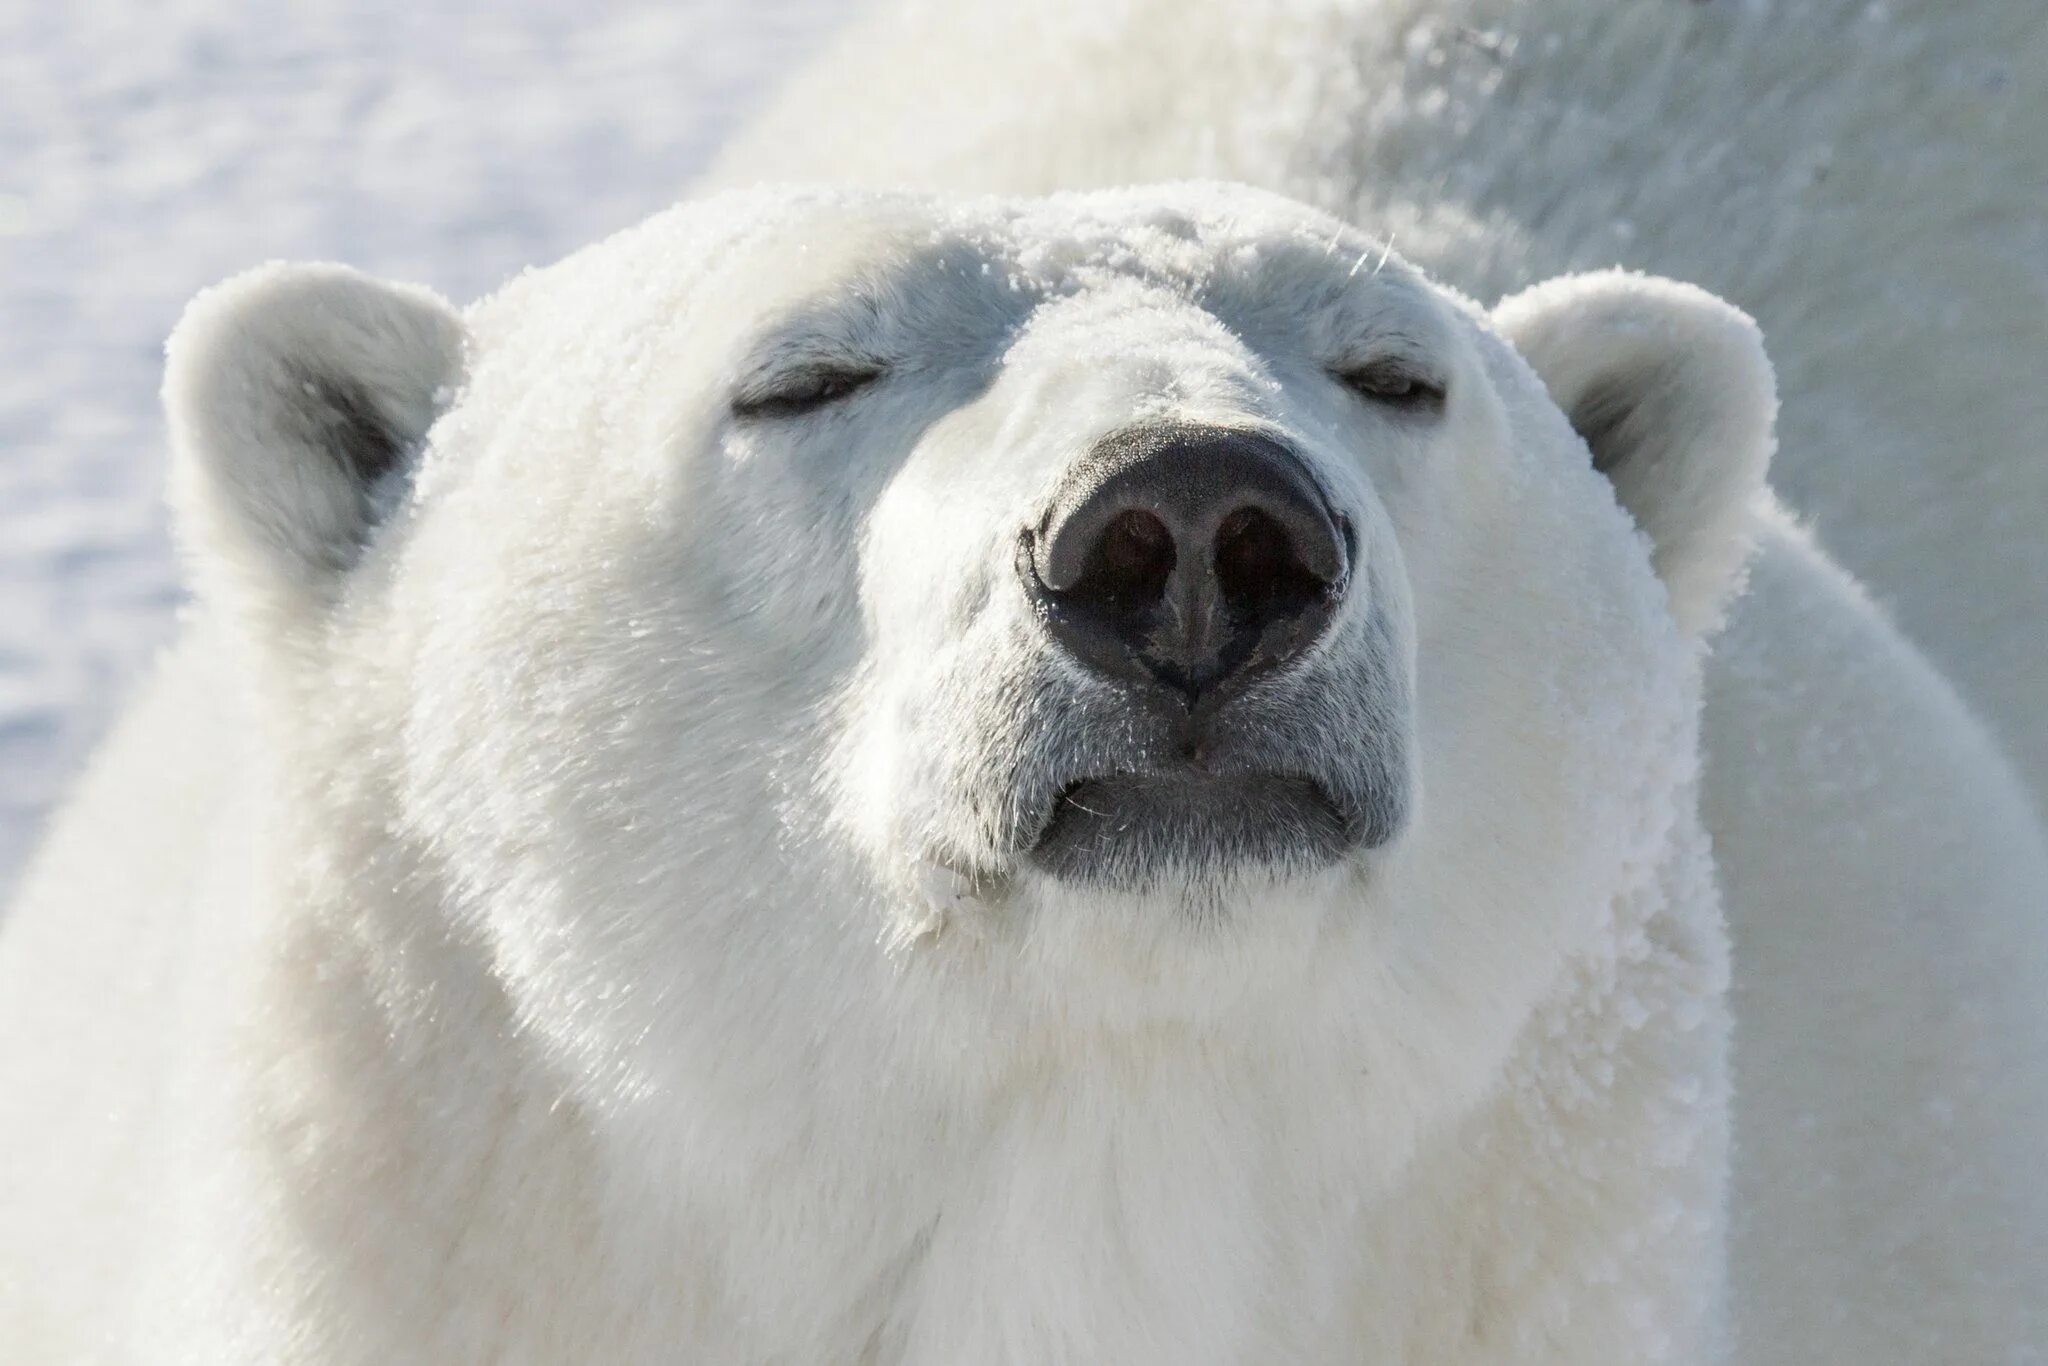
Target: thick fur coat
(1862,178)
(574,895)
(1865,180)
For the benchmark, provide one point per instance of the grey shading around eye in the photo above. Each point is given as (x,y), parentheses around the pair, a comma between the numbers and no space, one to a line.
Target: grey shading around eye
(1393,383)
(805,390)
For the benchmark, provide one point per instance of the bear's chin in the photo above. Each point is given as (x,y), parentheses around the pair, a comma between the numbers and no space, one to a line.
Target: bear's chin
(1140,832)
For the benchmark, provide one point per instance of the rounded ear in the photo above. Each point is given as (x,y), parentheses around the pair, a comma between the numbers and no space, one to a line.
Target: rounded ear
(297,398)
(1671,390)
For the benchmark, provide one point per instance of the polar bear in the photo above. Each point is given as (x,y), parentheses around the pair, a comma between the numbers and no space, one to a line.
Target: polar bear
(1862,176)
(873,777)
(1835,168)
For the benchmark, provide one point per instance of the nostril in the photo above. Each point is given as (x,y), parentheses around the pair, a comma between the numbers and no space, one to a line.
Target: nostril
(1260,571)
(1129,564)
(1187,561)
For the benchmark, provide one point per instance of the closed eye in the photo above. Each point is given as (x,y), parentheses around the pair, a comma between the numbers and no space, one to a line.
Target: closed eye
(1396,384)
(793,393)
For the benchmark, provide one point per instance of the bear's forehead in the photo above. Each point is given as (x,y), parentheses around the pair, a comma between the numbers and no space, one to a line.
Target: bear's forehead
(911,261)
(731,274)
(1185,236)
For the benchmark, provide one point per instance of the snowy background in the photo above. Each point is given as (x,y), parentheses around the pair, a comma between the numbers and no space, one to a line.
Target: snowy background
(151,147)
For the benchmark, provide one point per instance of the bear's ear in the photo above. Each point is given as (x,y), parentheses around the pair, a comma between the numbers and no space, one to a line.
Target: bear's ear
(1671,390)
(297,397)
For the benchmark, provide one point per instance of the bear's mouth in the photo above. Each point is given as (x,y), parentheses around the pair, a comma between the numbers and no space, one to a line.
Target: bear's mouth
(1135,829)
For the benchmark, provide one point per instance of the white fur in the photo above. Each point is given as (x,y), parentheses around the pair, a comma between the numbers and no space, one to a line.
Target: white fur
(538,960)
(250,376)
(1862,176)
(1891,1037)
(560,951)
(1672,388)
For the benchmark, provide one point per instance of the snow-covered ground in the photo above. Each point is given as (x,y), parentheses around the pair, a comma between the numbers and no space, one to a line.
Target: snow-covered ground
(150,147)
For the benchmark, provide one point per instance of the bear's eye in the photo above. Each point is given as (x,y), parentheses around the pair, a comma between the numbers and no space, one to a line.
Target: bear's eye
(802,391)
(1394,384)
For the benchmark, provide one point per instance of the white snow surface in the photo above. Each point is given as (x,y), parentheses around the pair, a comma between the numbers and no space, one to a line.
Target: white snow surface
(150,149)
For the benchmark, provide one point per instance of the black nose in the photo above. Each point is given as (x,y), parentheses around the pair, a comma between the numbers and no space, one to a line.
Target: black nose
(1192,558)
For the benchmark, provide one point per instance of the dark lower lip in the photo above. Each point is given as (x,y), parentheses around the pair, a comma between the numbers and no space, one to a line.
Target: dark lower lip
(1132,829)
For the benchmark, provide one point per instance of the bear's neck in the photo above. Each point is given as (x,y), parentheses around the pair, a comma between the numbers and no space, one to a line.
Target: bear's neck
(1163,1195)
(1172,1205)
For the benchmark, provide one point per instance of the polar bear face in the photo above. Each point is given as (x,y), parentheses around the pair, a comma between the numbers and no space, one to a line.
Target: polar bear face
(1052,615)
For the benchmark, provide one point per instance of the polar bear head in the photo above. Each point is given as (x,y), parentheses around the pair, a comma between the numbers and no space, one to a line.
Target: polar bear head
(963,626)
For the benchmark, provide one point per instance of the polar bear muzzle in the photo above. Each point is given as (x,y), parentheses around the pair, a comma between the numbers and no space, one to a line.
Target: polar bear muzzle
(1195,570)
(1183,562)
